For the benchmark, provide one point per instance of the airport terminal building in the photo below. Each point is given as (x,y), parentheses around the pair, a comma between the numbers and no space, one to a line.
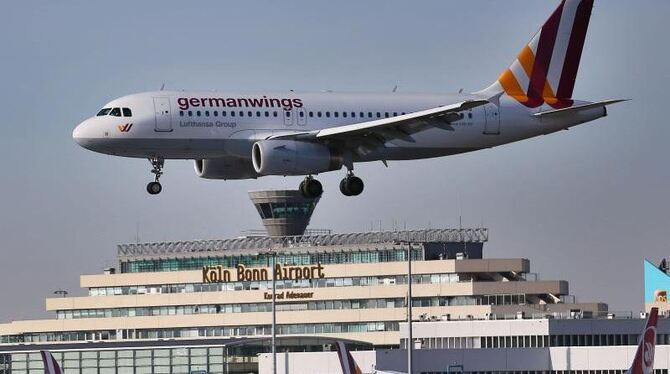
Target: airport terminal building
(195,296)
(205,306)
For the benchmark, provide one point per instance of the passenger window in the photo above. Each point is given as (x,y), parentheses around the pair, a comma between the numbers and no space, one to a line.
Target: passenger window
(249,114)
(302,114)
(311,114)
(288,114)
(197,113)
(327,114)
(258,114)
(127,112)
(241,113)
(190,113)
(344,114)
(336,114)
(379,115)
(207,113)
(267,114)
(274,114)
(470,115)
(216,113)
(362,115)
(369,114)
(353,114)
(403,113)
(232,113)
(116,112)
(103,112)
(386,114)
(223,113)
(395,114)
(318,114)
(181,113)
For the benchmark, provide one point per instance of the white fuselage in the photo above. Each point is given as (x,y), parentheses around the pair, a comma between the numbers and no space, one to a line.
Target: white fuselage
(211,125)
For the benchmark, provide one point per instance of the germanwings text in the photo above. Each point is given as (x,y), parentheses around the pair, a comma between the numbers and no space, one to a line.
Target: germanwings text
(230,102)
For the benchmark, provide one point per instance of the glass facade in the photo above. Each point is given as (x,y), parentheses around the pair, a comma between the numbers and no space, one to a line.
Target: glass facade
(286,210)
(264,260)
(388,280)
(160,360)
(299,306)
(534,341)
(199,332)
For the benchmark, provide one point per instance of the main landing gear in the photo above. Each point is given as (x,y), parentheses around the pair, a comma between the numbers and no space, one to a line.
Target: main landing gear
(311,188)
(154,188)
(351,185)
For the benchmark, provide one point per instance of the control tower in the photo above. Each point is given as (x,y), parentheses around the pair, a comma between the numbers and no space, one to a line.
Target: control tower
(284,212)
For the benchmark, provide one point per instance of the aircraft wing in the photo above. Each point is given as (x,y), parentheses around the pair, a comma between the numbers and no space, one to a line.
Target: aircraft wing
(364,137)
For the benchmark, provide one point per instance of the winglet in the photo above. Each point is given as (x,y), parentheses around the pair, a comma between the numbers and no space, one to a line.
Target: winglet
(644,357)
(347,362)
(50,364)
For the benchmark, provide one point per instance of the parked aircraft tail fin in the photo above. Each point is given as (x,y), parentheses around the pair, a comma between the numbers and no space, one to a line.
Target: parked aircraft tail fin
(347,362)
(50,364)
(546,68)
(644,357)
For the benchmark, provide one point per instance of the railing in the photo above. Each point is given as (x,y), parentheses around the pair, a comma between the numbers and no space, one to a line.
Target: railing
(474,235)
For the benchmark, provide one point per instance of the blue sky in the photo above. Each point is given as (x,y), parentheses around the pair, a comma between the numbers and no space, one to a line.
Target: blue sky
(586,205)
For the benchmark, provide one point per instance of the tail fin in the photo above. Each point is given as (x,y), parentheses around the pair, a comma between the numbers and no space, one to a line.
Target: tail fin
(644,357)
(50,364)
(546,69)
(347,362)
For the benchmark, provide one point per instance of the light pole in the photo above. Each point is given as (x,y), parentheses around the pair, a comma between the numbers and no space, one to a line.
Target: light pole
(274,312)
(410,340)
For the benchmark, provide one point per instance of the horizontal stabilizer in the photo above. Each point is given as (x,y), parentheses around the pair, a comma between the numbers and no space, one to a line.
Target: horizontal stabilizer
(577,108)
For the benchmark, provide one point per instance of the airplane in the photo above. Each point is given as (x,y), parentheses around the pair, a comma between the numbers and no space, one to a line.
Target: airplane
(347,362)
(643,363)
(50,363)
(245,135)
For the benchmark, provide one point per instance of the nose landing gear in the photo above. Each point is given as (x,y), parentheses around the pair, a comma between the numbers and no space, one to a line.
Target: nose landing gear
(351,185)
(157,163)
(311,188)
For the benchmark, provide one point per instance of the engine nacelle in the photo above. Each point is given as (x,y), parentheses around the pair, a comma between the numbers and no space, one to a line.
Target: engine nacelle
(291,157)
(225,168)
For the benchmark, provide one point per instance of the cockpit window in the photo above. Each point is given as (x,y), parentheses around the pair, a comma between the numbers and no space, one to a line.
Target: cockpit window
(127,112)
(104,112)
(116,112)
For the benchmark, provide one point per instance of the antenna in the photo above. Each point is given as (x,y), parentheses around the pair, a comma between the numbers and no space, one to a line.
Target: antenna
(137,233)
(395,88)
(162,86)
(460,211)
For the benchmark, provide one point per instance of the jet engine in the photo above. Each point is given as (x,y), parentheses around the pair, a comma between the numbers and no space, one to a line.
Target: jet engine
(225,168)
(291,157)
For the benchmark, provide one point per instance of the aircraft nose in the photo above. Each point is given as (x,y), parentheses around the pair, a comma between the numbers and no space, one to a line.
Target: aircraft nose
(82,134)
(78,133)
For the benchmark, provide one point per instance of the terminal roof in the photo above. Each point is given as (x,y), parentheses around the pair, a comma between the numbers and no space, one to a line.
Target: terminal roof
(467,235)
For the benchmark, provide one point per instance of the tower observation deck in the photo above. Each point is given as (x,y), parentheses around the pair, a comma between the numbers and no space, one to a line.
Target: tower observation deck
(284,212)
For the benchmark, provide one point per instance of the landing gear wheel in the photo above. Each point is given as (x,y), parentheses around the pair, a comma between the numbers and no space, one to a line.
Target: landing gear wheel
(154,188)
(351,186)
(311,188)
